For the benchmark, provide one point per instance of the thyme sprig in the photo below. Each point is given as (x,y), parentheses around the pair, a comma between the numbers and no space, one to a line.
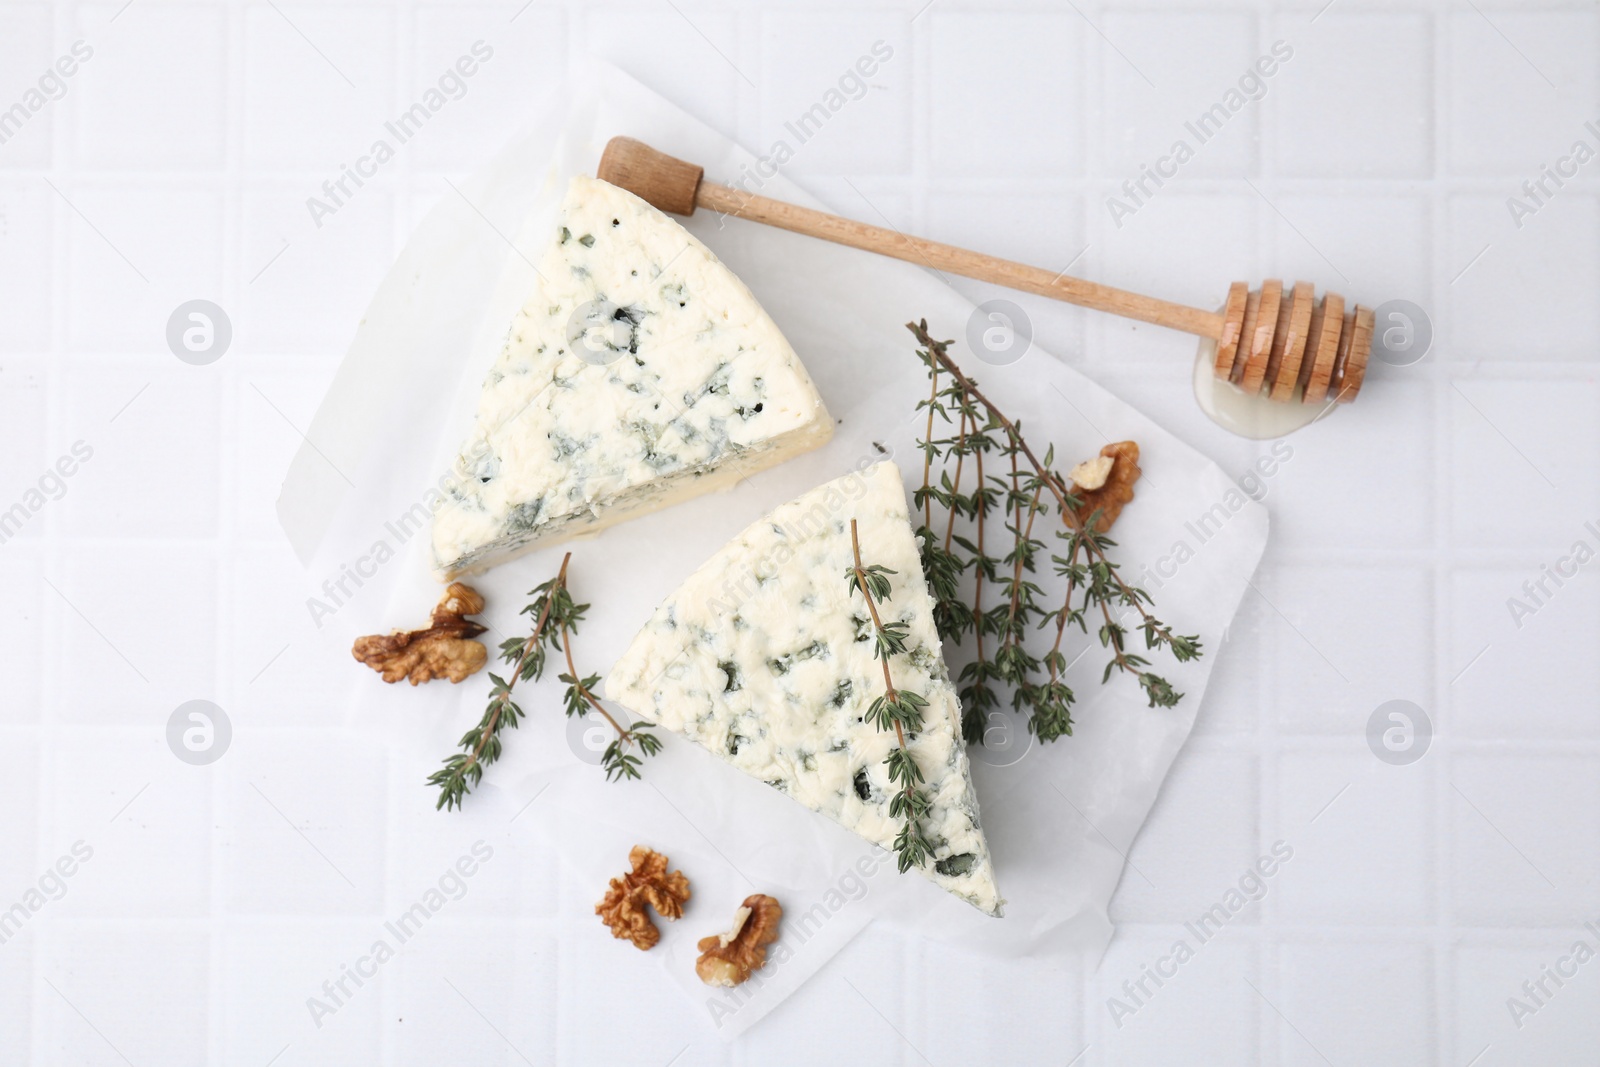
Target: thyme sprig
(618,762)
(556,617)
(897,709)
(977,678)
(1029,488)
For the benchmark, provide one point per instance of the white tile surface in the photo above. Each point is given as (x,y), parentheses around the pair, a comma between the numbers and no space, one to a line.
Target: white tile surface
(1207,1008)
(296,957)
(1319,1021)
(19,779)
(812,90)
(525,60)
(154,97)
(25,260)
(1539,441)
(291,267)
(1524,829)
(119,611)
(1492,264)
(24,424)
(297,846)
(1354,862)
(22,623)
(1211,798)
(154,428)
(1508,126)
(1029,122)
(177,164)
(1332,118)
(161,237)
(309,112)
(147,819)
(1513,629)
(1177,65)
(16,978)
(26,45)
(1328,674)
(691,62)
(1390,459)
(109,994)
(1490,971)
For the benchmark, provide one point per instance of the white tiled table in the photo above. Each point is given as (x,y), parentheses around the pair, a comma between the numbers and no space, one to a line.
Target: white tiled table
(1419,898)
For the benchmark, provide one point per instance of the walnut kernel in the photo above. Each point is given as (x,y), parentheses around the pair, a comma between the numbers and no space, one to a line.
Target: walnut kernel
(648,884)
(1092,473)
(1115,491)
(730,959)
(444,650)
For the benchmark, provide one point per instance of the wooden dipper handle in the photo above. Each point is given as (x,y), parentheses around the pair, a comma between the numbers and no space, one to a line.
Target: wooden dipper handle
(677,187)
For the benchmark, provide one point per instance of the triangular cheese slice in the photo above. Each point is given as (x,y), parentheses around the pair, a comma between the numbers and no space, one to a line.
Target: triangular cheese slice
(641,372)
(764,657)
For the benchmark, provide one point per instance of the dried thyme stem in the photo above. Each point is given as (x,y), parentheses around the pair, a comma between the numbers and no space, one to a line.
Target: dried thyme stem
(464,770)
(1023,538)
(937,350)
(544,616)
(1066,605)
(527,650)
(927,453)
(583,690)
(900,708)
(955,483)
(877,624)
(618,762)
(982,507)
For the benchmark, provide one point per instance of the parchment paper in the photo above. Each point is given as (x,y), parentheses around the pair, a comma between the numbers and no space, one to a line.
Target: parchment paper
(1059,818)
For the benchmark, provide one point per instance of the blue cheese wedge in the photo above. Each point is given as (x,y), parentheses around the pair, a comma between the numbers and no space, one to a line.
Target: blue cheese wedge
(640,373)
(764,657)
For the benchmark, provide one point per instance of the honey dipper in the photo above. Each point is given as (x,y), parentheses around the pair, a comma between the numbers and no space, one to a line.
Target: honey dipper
(1285,345)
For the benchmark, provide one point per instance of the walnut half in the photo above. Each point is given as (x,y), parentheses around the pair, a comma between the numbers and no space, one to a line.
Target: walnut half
(444,650)
(730,959)
(1106,486)
(648,884)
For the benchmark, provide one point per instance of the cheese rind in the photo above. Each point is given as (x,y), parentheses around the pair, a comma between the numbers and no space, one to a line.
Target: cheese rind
(764,657)
(641,372)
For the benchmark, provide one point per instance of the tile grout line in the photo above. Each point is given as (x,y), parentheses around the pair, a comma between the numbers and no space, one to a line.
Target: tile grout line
(50,555)
(59,370)
(403,201)
(1267,1033)
(748,32)
(1442,897)
(226,693)
(1091,90)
